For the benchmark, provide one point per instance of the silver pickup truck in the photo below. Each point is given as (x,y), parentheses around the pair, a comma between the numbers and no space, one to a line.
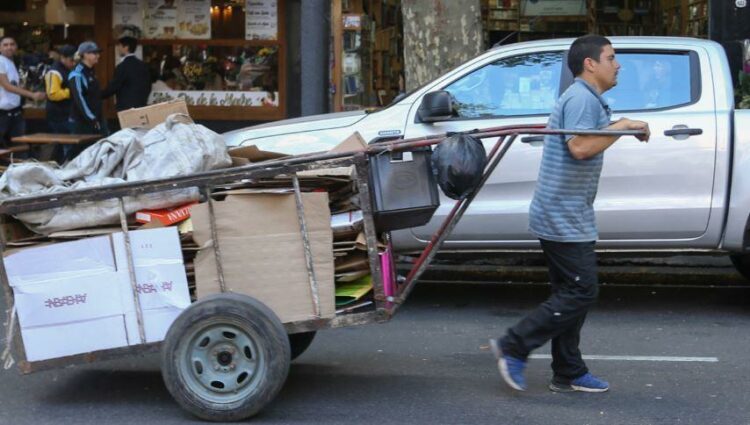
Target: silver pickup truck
(686,190)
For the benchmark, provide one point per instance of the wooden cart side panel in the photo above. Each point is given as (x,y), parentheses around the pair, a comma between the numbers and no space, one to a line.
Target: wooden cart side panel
(27,367)
(13,342)
(362,180)
(362,167)
(346,320)
(211,178)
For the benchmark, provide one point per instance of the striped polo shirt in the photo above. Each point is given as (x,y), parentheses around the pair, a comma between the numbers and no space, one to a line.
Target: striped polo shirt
(562,209)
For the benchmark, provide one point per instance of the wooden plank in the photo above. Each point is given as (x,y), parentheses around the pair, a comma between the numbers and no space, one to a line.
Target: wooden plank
(226,42)
(216,177)
(65,139)
(27,367)
(337,29)
(344,320)
(13,149)
(281,40)
(362,168)
(34,113)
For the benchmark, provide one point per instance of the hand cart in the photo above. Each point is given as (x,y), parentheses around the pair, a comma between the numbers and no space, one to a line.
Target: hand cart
(227,355)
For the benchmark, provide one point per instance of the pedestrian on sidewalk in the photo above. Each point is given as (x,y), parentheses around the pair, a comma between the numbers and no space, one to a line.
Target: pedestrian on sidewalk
(86,112)
(12,123)
(131,84)
(561,216)
(58,93)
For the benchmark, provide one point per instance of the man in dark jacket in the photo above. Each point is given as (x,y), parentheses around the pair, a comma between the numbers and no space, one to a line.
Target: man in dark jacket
(131,84)
(58,93)
(86,111)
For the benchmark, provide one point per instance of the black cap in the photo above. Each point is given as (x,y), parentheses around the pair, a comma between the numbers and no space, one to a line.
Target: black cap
(66,51)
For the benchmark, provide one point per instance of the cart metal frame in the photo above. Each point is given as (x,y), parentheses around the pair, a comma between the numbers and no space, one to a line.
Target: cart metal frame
(385,307)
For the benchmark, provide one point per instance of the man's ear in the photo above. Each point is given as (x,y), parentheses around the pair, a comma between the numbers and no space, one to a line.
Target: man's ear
(588,64)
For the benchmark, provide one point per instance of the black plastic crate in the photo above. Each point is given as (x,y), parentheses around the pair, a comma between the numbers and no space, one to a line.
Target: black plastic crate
(404,190)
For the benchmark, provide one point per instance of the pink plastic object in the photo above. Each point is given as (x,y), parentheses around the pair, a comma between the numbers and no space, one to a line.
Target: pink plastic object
(386,268)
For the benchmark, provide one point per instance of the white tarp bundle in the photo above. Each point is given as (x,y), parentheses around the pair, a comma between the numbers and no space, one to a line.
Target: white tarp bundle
(173,148)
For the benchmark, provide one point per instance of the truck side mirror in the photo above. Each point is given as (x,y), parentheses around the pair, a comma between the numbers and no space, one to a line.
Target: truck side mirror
(435,106)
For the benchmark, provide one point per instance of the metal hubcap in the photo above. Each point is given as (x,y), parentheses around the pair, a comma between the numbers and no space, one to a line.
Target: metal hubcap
(222,362)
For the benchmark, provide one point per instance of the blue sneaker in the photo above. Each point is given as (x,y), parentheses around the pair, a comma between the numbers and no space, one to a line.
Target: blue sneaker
(511,368)
(587,383)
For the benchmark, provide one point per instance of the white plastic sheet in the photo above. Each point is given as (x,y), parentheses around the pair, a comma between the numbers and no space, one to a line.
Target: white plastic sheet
(173,148)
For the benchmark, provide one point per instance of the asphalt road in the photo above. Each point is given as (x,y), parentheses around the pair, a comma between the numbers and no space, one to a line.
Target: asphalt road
(431,365)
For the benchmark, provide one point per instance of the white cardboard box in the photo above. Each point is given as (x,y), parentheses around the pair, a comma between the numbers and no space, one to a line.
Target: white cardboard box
(75,297)
(160,275)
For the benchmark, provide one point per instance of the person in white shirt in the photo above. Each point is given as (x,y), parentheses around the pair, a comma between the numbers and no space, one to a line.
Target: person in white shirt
(11,116)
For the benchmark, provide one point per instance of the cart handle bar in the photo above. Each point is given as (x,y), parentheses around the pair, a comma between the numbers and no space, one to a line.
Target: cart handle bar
(261,169)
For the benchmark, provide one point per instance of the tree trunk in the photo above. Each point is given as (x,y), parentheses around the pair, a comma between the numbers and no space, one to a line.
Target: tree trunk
(439,35)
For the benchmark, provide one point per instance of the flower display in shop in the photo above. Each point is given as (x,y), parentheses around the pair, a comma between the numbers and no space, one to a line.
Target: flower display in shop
(193,72)
(263,56)
(254,66)
(197,73)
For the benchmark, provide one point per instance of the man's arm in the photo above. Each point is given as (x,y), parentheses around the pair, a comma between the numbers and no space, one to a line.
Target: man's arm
(5,84)
(79,97)
(53,86)
(117,81)
(585,147)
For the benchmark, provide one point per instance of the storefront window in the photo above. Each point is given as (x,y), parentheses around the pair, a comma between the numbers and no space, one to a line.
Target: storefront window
(214,75)
(225,55)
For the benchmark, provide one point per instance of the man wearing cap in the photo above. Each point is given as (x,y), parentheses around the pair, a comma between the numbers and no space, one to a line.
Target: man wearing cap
(11,115)
(58,93)
(86,110)
(131,84)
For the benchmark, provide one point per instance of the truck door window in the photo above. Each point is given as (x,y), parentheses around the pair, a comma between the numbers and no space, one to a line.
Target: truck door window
(648,81)
(518,85)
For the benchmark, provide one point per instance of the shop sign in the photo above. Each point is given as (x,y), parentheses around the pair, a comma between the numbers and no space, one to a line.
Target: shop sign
(217,98)
(171,19)
(261,20)
(161,19)
(194,19)
(553,7)
(128,13)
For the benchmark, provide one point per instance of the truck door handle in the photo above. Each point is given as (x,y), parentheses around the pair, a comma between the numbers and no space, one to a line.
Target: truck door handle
(683,130)
(533,140)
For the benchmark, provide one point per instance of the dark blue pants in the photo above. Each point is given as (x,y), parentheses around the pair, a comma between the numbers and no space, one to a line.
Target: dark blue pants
(60,127)
(12,125)
(575,287)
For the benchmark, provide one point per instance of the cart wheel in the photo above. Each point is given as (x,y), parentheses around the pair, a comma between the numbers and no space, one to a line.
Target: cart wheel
(225,357)
(300,342)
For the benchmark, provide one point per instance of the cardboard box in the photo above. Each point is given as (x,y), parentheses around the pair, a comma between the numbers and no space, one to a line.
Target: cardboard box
(152,115)
(160,278)
(262,252)
(166,216)
(75,297)
(245,155)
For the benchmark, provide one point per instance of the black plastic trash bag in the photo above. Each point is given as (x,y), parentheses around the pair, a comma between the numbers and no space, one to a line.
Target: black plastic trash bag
(458,163)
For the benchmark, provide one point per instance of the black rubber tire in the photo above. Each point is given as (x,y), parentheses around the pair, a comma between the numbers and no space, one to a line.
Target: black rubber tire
(742,264)
(247,314)
(300,342)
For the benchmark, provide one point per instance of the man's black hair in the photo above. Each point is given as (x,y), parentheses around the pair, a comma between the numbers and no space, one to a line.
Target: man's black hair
(587,46)
(130,42)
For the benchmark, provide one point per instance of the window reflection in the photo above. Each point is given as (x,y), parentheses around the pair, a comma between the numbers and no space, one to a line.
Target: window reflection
(650,81)
(519,85)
